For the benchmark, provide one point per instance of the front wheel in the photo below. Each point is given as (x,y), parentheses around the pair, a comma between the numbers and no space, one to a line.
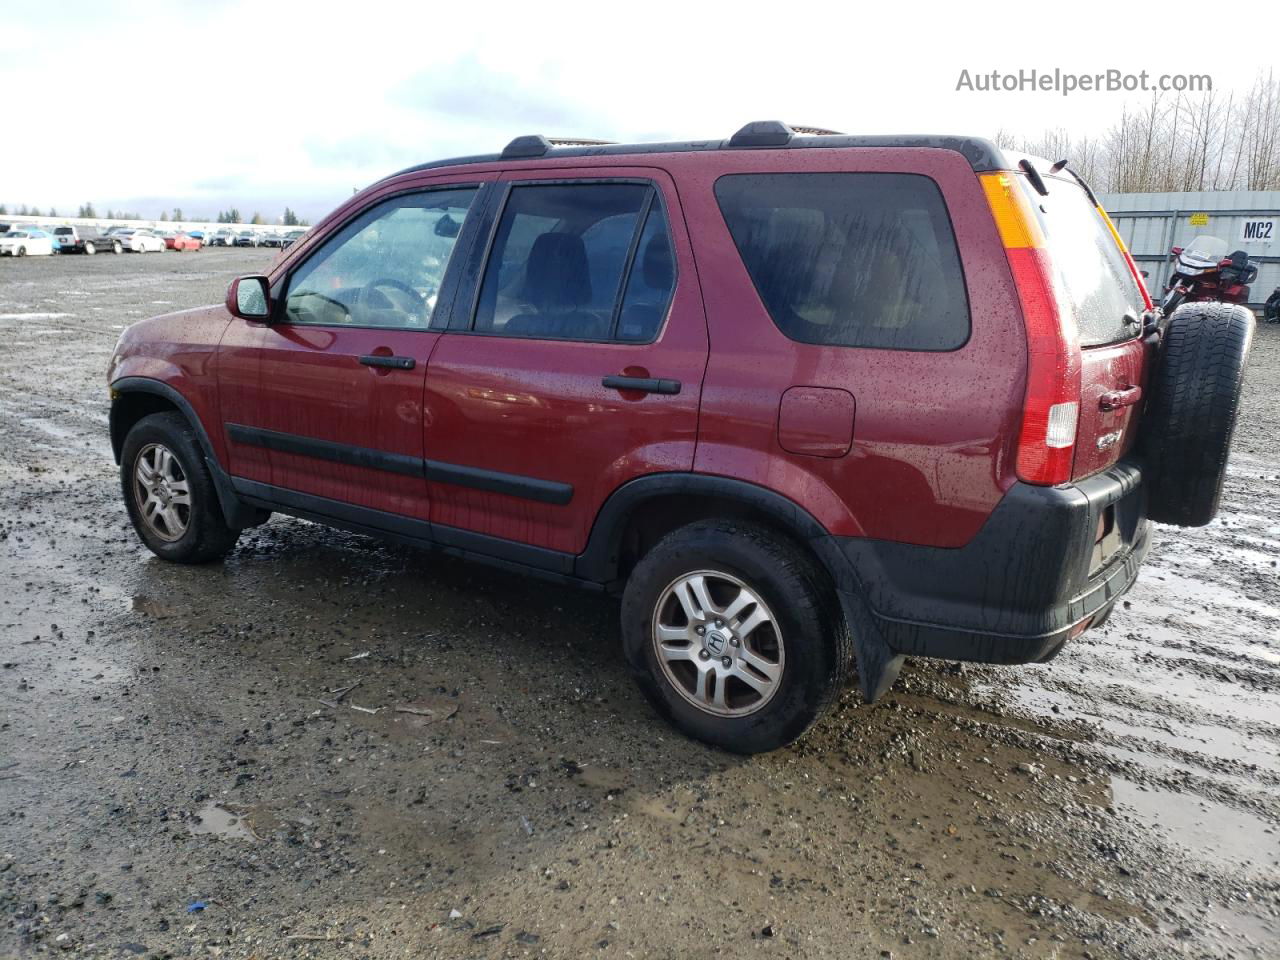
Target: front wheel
(169,493)
(90,249)
(735,635)
(117,248)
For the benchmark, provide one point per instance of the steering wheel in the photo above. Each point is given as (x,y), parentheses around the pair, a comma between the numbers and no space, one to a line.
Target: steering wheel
(415,313)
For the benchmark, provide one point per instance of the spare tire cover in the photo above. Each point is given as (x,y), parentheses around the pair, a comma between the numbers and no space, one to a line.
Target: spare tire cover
(1194,395)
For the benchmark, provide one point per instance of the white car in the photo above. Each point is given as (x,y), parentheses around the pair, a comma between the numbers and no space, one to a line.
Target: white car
(26,243)
(142,241)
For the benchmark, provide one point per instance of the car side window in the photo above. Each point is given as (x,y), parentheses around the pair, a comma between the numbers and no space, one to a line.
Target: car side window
(850,259)
(650,283)
(385,268)
(566,264)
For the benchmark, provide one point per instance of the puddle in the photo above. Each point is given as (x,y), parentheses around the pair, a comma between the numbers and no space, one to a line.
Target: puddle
(217,820)
(51,428)
(1167,590)
(148,605)
(1254,931)
(1208,830)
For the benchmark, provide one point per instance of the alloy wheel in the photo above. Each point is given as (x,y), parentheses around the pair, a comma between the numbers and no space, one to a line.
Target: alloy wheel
(162,492)
(718,643)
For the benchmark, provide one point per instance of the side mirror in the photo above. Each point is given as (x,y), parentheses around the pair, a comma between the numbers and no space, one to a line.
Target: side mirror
(247,298)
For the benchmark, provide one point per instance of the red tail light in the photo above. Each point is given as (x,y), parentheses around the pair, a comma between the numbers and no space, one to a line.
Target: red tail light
(1051,408)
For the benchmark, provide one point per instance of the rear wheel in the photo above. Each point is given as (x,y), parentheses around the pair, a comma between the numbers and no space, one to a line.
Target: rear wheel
(117,247)
(735,635)
(169,493)
(1191,416)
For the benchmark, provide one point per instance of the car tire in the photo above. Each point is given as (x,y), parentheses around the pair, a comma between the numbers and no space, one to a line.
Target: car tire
(1191,414)
(117,247)
(169,492)
(90,249)
(22,252)
(790,639)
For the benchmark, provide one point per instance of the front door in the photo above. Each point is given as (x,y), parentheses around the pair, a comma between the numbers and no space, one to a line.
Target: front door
(574,366)
(336,403)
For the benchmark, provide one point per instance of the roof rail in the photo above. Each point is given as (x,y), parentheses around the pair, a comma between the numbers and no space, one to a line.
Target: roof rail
(775,133)
(762,133)
(579,142)
(536,145)
(815,131)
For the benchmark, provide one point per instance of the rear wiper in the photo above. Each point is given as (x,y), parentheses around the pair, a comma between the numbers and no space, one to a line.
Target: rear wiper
(1034,176)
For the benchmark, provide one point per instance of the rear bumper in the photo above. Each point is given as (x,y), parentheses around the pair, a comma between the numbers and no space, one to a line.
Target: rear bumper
(1033,577)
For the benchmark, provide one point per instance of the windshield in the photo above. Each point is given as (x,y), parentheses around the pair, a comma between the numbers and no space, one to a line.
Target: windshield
(16,233)
(1205,247)
(1100,287)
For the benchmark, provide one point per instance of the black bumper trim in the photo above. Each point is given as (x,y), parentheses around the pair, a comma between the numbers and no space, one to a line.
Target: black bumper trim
(1018,589)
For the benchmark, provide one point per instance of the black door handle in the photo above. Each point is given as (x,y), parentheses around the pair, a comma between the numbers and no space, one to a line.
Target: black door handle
(398,363)
(642,384)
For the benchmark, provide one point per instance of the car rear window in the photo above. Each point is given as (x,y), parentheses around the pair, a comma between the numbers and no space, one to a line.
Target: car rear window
(1096,278)
(850,259)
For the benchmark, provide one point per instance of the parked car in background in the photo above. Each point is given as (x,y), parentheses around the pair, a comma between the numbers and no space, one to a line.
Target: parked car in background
(26,243)
(181,242)
(272,240)
(222,238)
(141,240)
(87,240)
(246,238)
(197,235)
(292,237)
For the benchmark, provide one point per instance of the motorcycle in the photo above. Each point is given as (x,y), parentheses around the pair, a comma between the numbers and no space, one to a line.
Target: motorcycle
(1204,271)
(1271,310)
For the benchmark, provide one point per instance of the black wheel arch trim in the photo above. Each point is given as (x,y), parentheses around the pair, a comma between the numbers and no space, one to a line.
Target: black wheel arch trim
(600,560)
(236,512)
(878,664)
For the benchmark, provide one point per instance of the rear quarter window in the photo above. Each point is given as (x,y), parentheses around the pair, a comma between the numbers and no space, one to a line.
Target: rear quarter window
(1095,277)
(850,259)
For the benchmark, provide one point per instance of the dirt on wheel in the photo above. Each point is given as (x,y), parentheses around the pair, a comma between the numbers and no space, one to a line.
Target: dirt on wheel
(328,746)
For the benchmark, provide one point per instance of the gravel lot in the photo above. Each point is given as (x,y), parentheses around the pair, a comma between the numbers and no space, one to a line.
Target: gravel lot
(178,778)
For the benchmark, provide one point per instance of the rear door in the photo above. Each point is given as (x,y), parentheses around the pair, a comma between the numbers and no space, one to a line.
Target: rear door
(1101,291)
(574,363)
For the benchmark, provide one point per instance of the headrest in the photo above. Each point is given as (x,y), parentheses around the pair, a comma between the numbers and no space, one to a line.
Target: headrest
(557,277)
(657,266)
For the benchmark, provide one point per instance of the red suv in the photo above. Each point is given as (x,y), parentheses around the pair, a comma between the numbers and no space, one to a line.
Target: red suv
(805,402)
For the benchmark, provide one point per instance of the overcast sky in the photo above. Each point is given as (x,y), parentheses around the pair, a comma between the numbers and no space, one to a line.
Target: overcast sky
(206,105)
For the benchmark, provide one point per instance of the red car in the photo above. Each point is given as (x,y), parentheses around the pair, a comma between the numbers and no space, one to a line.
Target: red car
(802,401)
(180,242)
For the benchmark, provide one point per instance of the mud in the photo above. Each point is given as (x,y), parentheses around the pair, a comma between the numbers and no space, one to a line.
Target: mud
(183,774)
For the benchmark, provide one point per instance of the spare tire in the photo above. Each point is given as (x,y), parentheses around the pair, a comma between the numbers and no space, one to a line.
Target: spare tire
(1194,395)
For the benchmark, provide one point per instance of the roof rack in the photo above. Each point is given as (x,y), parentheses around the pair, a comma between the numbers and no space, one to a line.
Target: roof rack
(774,133)
(536,145)
(815,131)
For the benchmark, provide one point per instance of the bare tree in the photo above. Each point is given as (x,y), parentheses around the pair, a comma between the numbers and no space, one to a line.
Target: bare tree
(1215,140)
